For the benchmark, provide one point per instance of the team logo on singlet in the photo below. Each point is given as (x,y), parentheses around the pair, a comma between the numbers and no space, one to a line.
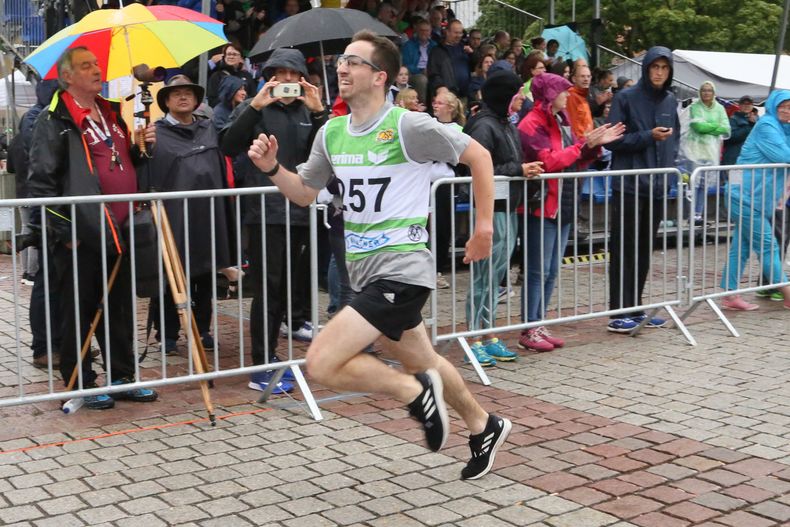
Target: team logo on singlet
(415,232)
(377,159)
(385,136)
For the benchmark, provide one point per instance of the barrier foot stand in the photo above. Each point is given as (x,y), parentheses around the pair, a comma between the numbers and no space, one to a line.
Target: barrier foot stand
(306,393)
(273,382)
(680,325)
(634,332)
(724,320)
(689,311)
(315,412)
(474,362)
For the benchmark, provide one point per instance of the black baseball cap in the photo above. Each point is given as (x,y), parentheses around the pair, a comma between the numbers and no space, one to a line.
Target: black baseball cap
(745,99)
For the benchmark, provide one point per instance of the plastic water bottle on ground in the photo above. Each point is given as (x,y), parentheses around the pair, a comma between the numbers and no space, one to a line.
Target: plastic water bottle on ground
(72,405)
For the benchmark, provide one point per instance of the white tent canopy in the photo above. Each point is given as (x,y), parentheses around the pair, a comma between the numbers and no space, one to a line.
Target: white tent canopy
(735,74)
(24,92)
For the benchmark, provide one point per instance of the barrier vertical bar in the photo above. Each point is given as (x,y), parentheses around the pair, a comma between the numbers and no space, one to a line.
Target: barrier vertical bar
(214,300)
(105,295)
(75,273)
(47,303)
(133,290)
(191,336)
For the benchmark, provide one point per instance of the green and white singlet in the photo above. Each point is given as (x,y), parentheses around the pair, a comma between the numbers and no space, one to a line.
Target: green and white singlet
(384,167)
(385,195)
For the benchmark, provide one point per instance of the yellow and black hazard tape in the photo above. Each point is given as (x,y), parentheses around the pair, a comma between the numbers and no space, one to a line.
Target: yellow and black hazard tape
(585,258)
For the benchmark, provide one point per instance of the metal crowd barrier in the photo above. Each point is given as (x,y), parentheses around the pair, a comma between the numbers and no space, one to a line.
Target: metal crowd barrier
(582,290)
(22,383)
(723,225)
(581,293)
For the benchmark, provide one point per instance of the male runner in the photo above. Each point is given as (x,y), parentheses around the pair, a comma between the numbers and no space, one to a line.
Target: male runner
(381,156)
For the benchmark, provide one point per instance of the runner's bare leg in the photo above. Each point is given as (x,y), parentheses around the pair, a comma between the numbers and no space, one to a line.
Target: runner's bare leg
(335,359)
(417,354)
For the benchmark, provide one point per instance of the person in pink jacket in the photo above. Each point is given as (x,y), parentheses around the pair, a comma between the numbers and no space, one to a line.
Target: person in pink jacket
(546,136)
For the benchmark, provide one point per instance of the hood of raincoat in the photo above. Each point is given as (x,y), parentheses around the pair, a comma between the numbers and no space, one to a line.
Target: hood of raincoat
(228,87)
(285,58)
(546,87)
(652,55)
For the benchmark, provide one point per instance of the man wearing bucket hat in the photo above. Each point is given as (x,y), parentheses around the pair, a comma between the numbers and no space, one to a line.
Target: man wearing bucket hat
(296,120)
(187,157)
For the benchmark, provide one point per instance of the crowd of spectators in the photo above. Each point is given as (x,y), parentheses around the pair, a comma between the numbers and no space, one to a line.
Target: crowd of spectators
(533,111)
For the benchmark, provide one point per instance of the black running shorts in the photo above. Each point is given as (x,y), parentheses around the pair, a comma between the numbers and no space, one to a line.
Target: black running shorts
(391,307)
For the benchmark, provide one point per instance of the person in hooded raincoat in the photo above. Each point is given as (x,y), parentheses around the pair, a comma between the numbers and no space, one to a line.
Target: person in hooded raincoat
(232,92)
(285,225)
(652,131)
(752,197)
(700,144)
(187,157)
(547,136)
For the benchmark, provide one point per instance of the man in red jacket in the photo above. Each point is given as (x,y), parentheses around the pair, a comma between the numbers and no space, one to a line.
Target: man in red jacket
(81,147)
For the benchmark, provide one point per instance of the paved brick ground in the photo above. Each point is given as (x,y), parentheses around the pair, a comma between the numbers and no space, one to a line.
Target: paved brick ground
(609,430)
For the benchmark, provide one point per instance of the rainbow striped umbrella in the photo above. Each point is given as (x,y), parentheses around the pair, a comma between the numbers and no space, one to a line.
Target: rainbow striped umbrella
(164,35)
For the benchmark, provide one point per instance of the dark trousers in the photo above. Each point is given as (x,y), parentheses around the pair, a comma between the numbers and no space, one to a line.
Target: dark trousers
(201,293)
(276,253)
(38,311)
(443,219)
(782,234)
(337,245)
(91,290)
(630,248)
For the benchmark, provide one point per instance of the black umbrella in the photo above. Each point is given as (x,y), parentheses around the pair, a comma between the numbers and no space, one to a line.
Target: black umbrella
(317,32)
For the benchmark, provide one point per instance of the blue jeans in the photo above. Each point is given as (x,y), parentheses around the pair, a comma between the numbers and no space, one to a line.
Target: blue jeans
(340,292)
(543,264)
(482,297)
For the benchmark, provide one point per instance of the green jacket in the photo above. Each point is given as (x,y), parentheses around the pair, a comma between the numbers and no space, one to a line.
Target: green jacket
(708,127)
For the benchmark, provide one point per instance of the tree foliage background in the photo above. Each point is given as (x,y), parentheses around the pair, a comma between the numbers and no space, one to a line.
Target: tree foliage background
(631,26)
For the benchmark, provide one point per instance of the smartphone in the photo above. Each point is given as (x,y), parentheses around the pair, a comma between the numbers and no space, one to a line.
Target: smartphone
(288,89)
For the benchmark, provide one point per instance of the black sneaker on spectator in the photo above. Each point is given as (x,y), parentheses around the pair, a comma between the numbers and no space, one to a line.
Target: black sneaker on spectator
(208,341)
(429,409)
(484,447)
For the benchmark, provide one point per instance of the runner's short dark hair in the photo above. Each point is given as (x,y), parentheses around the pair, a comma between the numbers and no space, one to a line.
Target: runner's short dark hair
(385,54)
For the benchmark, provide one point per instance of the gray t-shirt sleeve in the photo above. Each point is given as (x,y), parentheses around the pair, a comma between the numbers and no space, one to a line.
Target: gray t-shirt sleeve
(426,139)
(317,171)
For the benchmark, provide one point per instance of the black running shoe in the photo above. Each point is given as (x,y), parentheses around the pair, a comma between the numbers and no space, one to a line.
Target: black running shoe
(429,409)
(485,445)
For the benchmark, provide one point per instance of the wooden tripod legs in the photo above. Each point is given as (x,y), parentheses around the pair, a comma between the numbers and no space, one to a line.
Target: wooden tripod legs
(178,289)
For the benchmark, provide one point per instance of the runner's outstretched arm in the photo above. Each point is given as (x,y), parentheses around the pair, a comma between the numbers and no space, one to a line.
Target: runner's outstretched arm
(263,154)
(477,158)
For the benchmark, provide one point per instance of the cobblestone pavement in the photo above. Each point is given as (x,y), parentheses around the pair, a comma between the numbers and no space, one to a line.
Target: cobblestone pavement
(608,431)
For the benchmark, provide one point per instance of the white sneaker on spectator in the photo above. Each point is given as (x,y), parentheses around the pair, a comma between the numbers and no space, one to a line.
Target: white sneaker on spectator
(304,333)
